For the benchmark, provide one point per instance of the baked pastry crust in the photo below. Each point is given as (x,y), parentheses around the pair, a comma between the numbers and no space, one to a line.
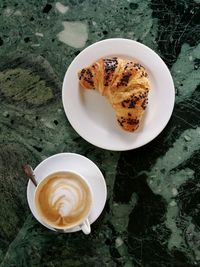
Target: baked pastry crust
(124,83)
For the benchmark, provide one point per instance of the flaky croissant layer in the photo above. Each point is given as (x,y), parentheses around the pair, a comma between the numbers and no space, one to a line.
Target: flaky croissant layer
(125,84)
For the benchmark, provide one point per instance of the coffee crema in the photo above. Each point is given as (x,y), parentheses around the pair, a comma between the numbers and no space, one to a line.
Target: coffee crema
(63,199)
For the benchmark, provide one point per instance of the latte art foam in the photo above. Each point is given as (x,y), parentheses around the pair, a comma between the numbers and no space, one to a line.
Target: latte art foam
(63,199)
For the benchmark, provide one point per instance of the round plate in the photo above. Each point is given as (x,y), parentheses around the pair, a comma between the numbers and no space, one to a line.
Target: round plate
(92,116)
(79,164)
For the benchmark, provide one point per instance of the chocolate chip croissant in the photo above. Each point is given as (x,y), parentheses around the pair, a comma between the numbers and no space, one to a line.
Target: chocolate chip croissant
(125,84)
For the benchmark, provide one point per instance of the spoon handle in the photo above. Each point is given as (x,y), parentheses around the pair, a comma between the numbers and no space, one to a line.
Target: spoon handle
(29,172)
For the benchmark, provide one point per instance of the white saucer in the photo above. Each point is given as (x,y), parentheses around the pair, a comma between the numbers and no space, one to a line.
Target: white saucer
(92,116)
(79,164)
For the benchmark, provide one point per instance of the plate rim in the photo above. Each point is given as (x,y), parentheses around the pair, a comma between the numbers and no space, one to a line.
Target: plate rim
(170,79)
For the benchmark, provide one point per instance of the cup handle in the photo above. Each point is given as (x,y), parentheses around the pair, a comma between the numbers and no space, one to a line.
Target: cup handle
(85,227)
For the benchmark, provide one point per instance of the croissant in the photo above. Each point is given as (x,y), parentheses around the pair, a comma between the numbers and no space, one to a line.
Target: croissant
(124,83)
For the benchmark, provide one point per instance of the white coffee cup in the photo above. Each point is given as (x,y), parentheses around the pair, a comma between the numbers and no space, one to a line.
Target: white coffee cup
(85,168)
(84,223)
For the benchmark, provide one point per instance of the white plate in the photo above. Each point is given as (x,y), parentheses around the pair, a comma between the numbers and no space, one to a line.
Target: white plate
(79,164)
(92,116)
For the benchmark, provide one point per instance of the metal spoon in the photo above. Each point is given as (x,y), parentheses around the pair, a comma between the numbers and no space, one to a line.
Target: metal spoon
(29,172)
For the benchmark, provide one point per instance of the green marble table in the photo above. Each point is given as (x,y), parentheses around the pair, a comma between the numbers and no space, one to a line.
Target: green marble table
(152,214)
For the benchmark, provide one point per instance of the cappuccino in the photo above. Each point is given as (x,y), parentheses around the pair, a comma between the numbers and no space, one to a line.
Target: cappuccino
(63,200)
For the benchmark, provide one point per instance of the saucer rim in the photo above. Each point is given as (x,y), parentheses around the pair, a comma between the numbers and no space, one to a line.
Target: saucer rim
(100,176)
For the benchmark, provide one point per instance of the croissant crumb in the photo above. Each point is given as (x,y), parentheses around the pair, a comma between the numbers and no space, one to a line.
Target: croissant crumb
(126,85)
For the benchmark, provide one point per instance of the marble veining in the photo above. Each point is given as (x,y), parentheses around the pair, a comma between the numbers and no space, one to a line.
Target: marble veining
(61,8)
(152,214)
(185,71)
(167,176)
(75,34)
